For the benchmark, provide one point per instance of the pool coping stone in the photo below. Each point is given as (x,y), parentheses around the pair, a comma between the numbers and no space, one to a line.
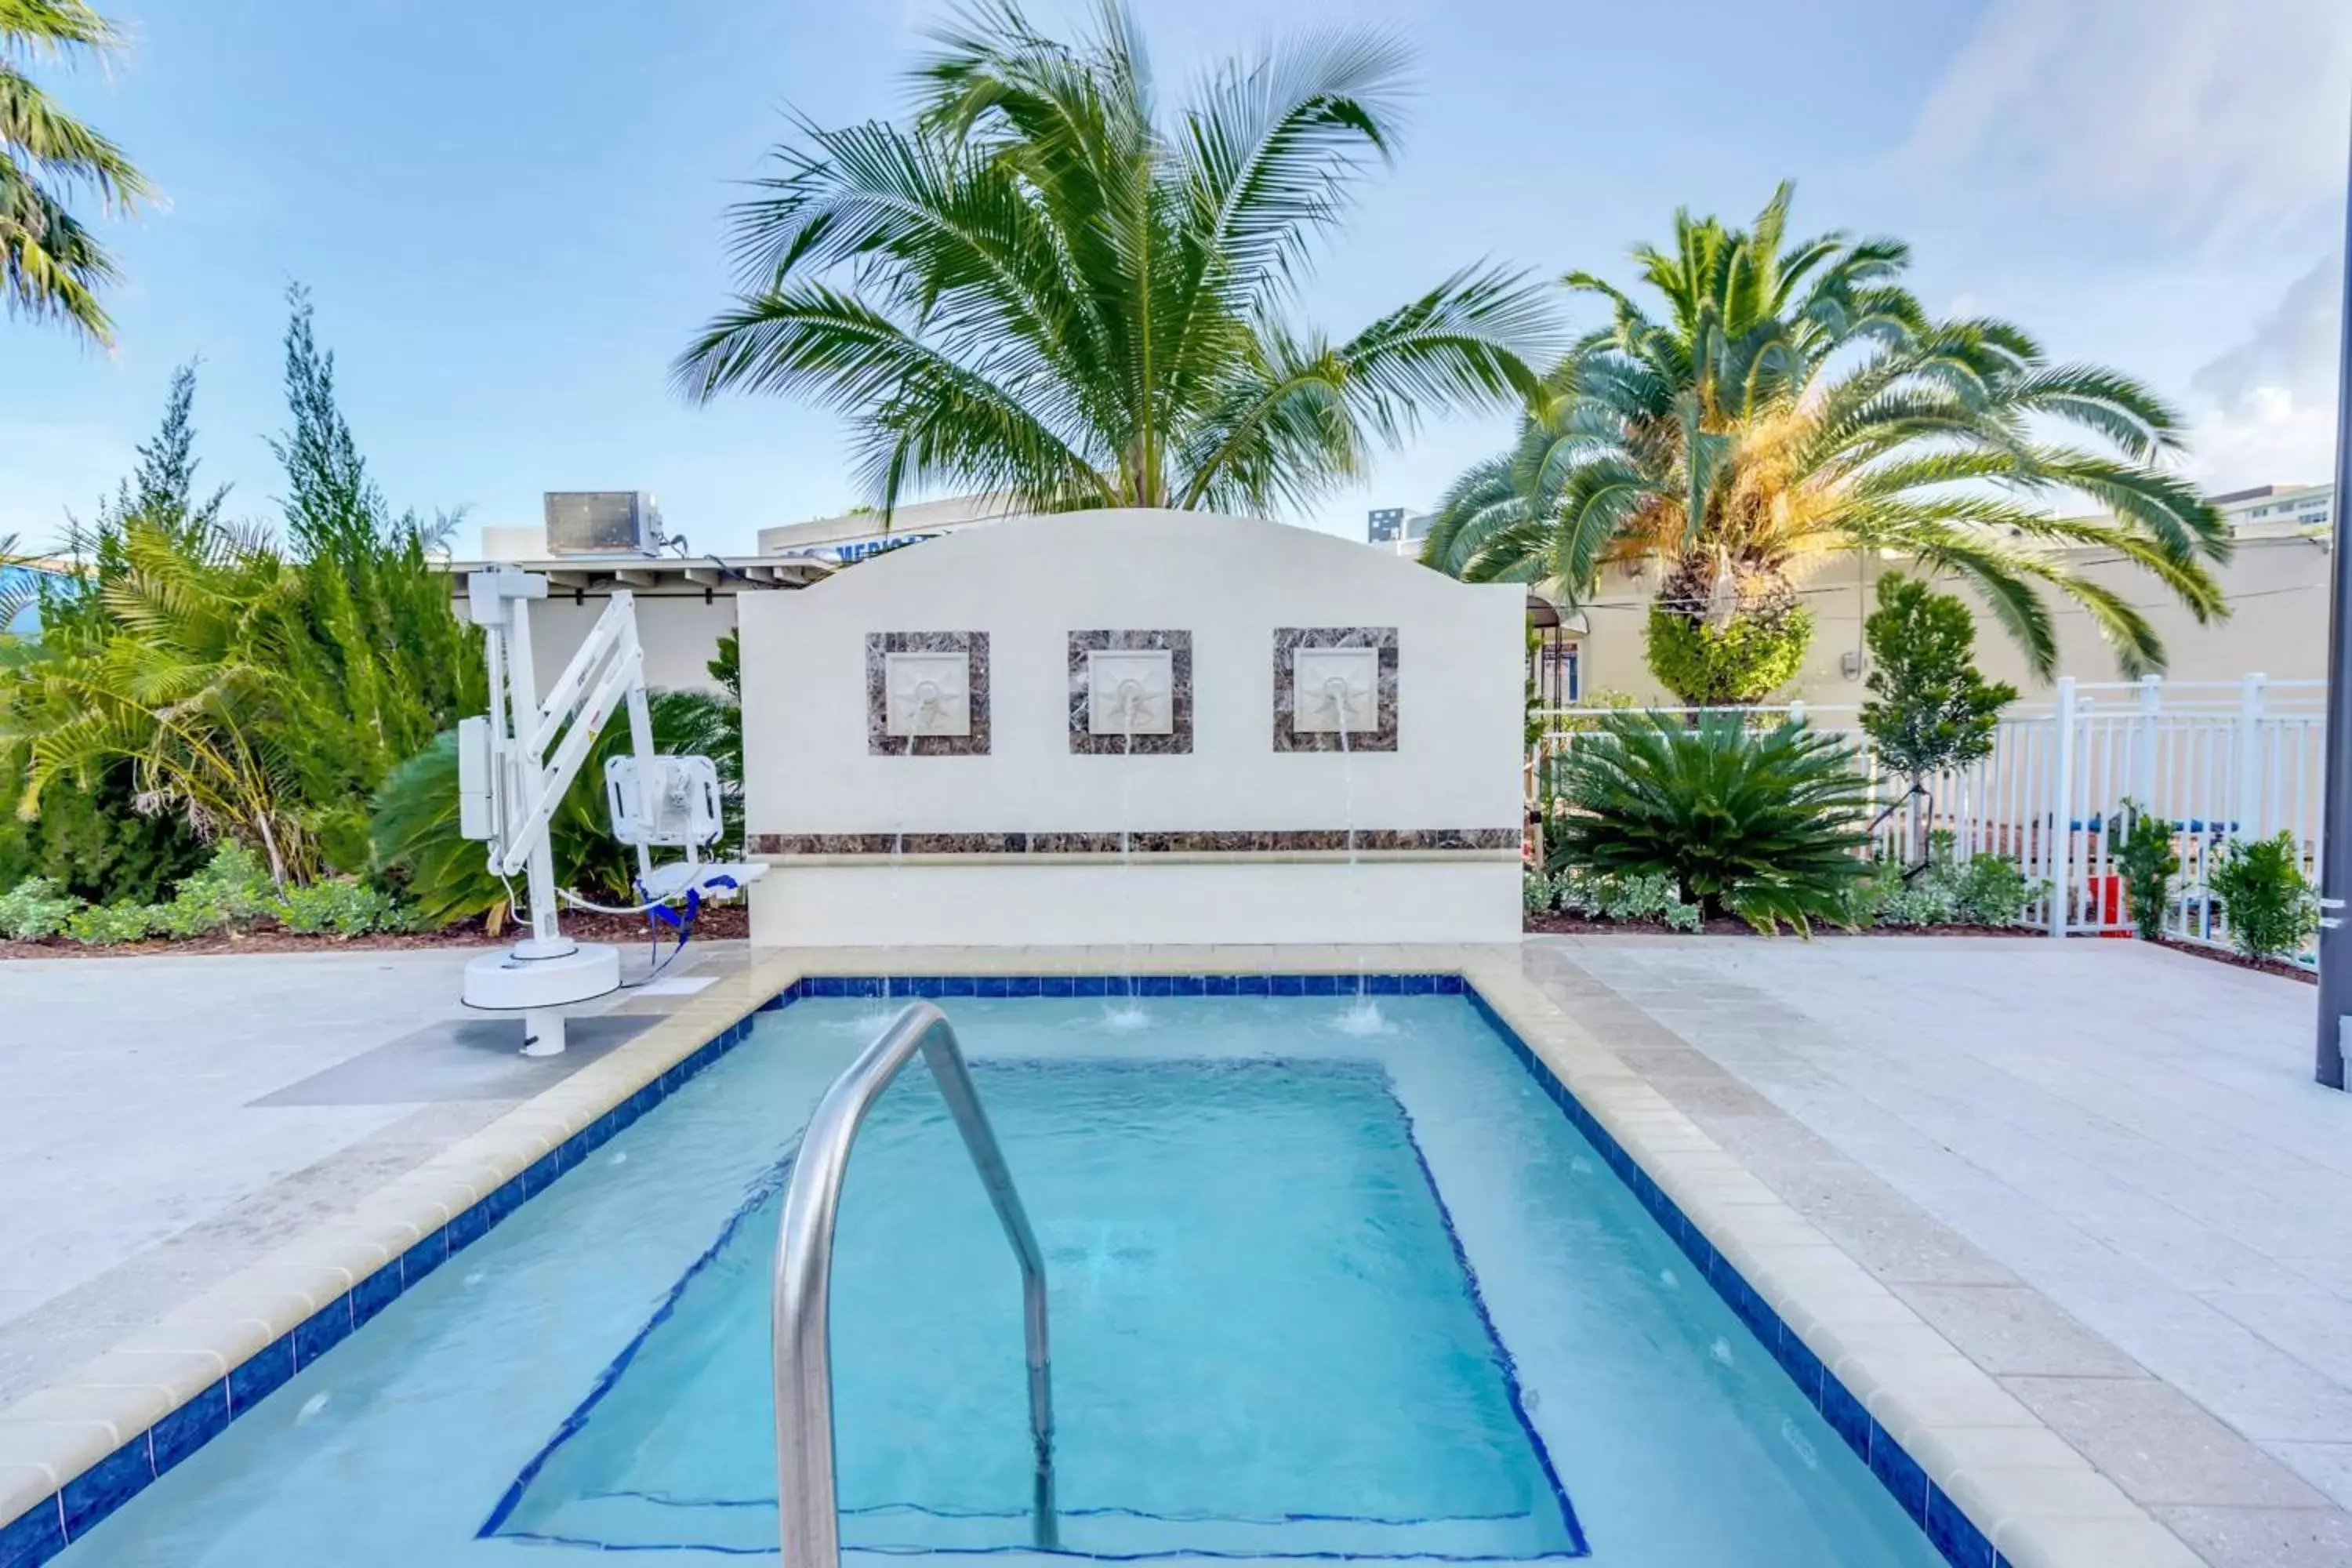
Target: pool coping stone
(1989,1483)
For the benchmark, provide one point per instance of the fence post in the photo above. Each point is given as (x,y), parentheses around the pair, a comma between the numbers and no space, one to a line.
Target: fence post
(2247,808)
(2062,807)
(2151,703)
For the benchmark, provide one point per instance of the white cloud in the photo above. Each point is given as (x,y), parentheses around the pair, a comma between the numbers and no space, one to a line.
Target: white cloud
(2270,413)
(2204,115)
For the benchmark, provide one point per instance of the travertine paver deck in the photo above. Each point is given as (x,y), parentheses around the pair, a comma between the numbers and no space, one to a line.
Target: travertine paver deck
(139,1169)
(2101,1170)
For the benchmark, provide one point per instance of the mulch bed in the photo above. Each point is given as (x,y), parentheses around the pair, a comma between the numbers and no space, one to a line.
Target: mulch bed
(1558,924)
(718,922)
(2278,967)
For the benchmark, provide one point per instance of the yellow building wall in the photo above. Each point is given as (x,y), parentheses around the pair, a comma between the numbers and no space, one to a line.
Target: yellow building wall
(2277,589)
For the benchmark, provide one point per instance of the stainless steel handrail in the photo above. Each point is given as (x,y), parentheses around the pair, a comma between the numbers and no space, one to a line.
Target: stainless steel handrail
(805,1491)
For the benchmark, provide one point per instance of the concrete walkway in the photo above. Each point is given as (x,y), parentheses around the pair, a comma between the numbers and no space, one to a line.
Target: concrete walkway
(168,1120)
(2102,1170)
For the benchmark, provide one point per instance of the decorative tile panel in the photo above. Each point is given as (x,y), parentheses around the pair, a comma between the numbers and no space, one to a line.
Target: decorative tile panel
(1186,841)
(1314,668)
(927,694)
(1104,659)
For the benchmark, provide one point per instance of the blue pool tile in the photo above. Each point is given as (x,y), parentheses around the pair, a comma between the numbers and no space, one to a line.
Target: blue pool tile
(1955,1535)
(1056,986)
(1090,985)
(1257,985)
(471,1225)
(773,1003)
(107,1486)
(1287,984)
(991,986)
(958,985)
(1451,985)
(33,1537)
(1224,985)
(1025,985)
(1419,984)
(1750,1306)
(1153,986)
(1846,1417)
(374,1293)
(191,1426)
(539,1172)
(1321,985)
(1191,984)
(423,1258)
(1899,1474)
(1804,1367)
(322,1332)
(260,1374)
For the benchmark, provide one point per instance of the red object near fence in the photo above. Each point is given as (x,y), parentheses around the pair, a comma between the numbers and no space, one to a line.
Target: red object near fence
(2107,905)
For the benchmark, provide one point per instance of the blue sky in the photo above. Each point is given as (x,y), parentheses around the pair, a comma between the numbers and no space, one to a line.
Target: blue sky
(509,211)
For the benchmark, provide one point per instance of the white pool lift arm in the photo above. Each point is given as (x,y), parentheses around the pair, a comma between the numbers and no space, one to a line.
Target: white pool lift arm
(509,787)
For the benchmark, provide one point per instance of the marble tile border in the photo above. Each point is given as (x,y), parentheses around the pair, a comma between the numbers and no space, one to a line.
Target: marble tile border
(1287,639)
(1178,742)
(1990,1485)
(879,742)
(1193,841)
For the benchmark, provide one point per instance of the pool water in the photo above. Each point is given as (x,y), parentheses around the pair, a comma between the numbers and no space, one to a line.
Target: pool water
(1322,1286)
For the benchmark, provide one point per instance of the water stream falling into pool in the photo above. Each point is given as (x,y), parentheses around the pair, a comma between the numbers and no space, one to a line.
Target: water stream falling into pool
(1125,1014)
(1362,1015)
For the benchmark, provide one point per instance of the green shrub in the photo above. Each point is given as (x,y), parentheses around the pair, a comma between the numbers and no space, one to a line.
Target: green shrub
(1744,661)
(338,906)
(105,925)
(34,907)
(1766,827)
(1983,891)
(2147,858)
(2269,902)
(232,888)
(1637,898)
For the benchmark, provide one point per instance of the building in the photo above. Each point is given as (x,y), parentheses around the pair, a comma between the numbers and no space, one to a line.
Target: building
(856,534)
(2276,584)
(685,604)
(1398,530)
(2280,508)
(22,581)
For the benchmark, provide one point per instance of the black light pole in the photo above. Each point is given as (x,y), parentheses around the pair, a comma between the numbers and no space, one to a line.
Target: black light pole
(2335,826)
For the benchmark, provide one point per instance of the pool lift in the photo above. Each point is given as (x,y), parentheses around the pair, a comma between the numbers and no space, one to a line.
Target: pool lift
(509,786)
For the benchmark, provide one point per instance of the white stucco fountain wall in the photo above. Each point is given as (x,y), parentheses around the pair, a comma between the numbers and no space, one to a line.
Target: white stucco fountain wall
(947,743)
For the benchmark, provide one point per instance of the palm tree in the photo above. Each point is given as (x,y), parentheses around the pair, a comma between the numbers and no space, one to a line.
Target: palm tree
(51,269)
(1040,289)
(191,689)
(1795,398)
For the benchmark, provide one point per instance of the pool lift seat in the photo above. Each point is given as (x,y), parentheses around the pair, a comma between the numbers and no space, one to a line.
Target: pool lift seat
(509,784)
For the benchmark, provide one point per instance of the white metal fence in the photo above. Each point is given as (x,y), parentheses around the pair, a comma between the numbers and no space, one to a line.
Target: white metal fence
(2217,759)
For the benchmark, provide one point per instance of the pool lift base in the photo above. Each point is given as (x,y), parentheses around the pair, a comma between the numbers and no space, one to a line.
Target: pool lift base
(508,784)
(536,983)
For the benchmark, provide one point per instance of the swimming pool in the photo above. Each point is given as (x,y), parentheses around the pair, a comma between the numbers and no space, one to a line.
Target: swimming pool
(1324,1284)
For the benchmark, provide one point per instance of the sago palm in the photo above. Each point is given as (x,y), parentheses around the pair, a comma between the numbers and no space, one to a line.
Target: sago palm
(52,267)
(1042,287)
(1793,398)
(1766,826)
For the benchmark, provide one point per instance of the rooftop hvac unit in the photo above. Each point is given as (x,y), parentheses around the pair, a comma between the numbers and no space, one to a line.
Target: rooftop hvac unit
(603,522)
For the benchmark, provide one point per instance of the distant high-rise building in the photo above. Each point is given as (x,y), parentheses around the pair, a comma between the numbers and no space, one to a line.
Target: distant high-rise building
(2279,508)
(1387,525)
